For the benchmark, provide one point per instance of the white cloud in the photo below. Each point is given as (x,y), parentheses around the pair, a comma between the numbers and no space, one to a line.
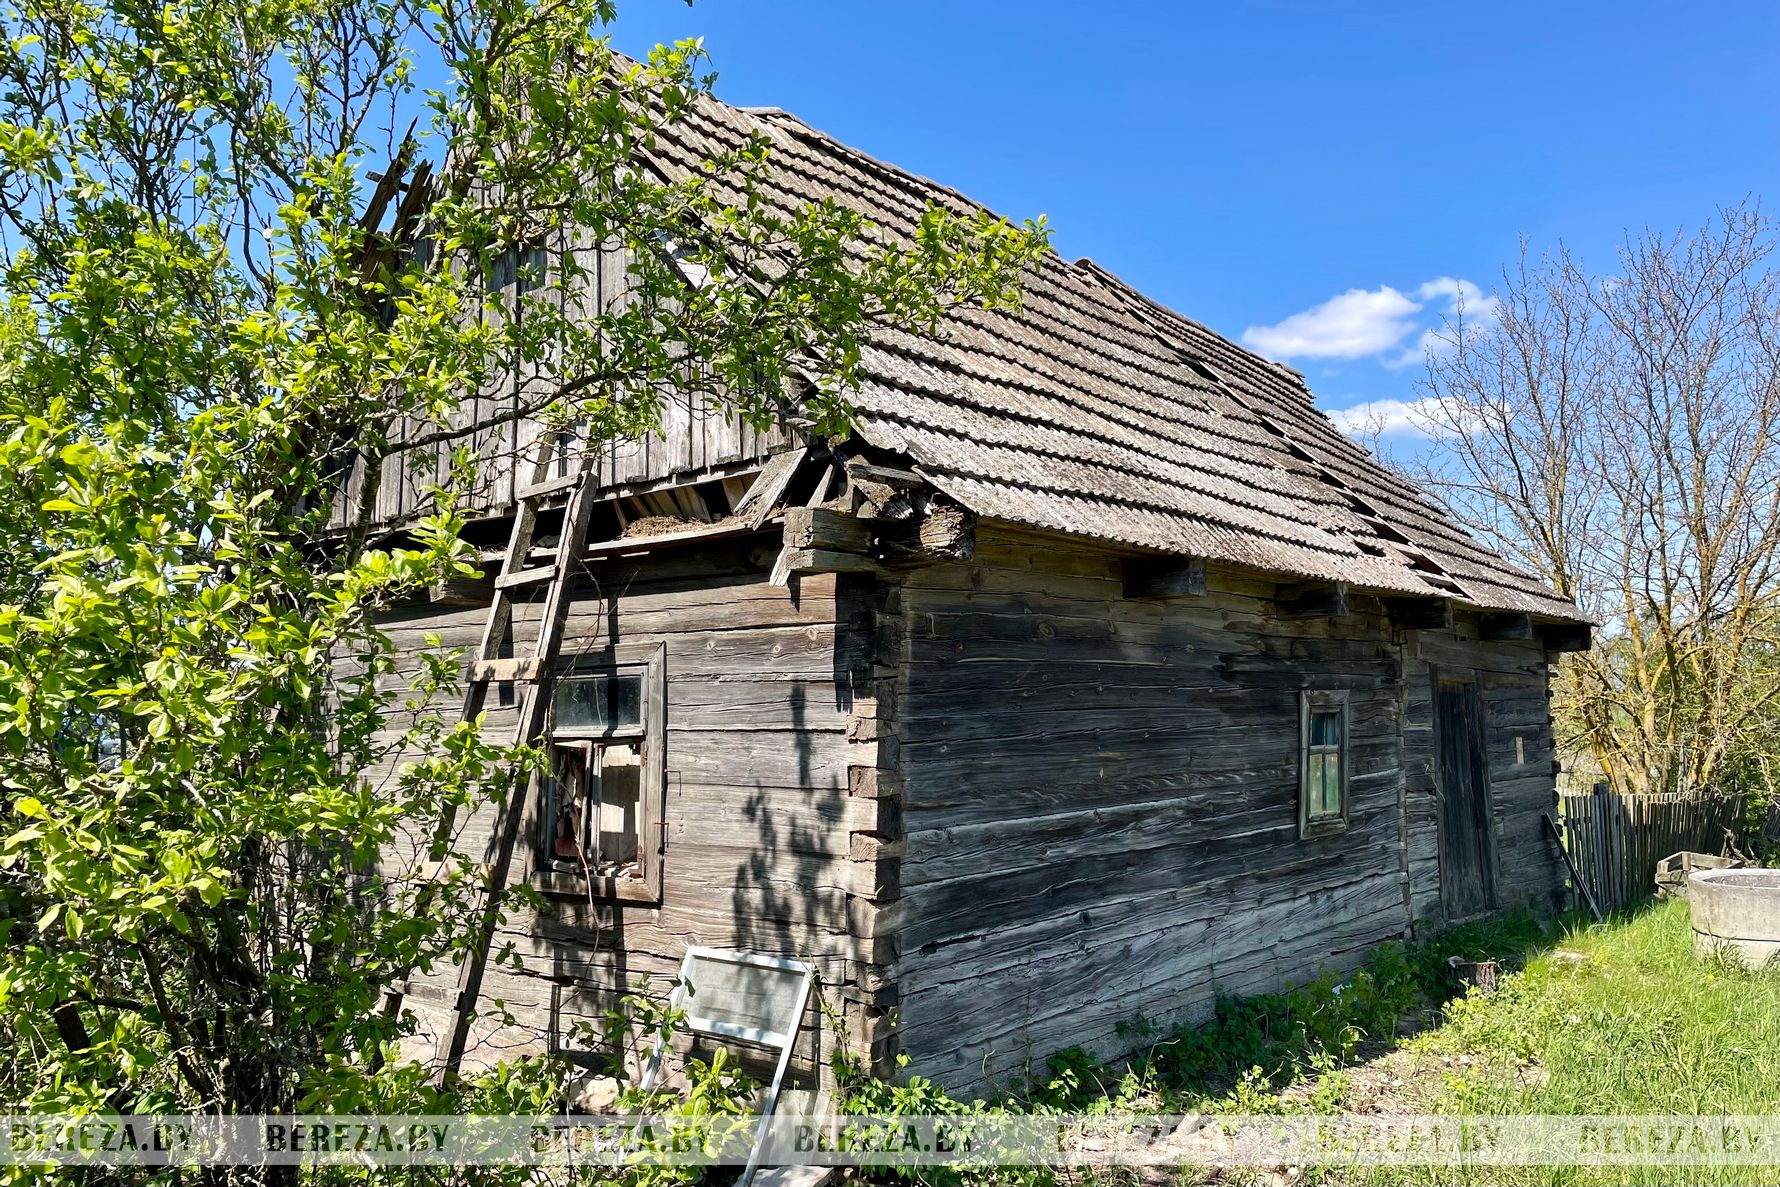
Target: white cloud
(1434,343)
(1456,292)
(1357,323)
(1375,323)
(1433,417)
(1469,310)
(1468,314)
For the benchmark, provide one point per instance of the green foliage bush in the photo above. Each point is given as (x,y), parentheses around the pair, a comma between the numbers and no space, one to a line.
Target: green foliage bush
(227,834)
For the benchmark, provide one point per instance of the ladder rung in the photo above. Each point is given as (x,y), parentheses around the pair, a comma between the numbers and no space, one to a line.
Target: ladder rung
(523,577)
(527,668)
(539,490)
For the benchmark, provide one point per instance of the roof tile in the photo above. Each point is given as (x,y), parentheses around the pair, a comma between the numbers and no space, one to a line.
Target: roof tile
(1092,410)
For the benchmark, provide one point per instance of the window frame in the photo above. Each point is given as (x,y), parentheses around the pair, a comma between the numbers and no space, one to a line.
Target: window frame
(649,661)
(1312,701)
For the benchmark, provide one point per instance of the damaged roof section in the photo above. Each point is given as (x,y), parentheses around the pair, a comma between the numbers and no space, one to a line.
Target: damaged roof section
(1093,410)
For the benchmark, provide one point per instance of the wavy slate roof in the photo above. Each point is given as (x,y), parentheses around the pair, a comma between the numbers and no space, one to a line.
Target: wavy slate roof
(1095,411)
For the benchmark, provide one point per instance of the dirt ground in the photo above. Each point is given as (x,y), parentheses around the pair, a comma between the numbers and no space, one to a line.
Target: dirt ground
(1393,1079)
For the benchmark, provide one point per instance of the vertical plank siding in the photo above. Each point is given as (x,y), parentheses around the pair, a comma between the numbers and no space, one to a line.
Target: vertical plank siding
(695,439)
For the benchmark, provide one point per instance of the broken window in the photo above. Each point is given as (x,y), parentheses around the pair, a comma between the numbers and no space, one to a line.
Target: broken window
(601,821)
(602,703)
(1322,763)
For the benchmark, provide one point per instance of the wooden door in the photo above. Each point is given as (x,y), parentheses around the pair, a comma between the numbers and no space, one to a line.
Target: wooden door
(1467,835)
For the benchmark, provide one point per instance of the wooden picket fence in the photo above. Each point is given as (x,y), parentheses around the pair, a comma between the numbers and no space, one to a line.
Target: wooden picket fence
(1616,840)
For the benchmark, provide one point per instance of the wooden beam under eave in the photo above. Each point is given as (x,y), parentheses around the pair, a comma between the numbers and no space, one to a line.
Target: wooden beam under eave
(1420,614)
(824,528)
(1566,636)
(930,529)
(1174,577)
(1505,627)
(817,560)
(1313,599)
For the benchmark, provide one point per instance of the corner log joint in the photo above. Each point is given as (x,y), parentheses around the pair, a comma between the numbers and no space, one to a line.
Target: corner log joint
(822,540)
(824,529)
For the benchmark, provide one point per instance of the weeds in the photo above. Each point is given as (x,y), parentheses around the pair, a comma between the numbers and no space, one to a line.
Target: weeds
(1588,1019)
(1624,1020)
(1258,1045)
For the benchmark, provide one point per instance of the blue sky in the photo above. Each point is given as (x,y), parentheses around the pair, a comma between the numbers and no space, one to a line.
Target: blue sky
(1249,162)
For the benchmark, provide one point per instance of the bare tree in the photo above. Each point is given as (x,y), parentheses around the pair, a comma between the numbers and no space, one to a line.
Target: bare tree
(1617,435)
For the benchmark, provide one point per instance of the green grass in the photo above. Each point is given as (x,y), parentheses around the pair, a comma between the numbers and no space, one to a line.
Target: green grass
(1614,1018)
(1638,1025)
(1618,1018)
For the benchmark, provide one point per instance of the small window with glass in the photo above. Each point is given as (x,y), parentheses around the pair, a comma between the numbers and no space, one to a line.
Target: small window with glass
(601,821)
(1322,763)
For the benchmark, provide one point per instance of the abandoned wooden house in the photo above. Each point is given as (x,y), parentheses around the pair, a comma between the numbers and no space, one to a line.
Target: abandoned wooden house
(1094,675)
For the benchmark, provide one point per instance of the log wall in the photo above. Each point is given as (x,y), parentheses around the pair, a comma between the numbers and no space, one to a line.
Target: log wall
(1003,806)
(765,691)
(1101,802)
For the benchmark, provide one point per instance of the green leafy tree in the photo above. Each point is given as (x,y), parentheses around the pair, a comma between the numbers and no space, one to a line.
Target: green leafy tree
(199,769)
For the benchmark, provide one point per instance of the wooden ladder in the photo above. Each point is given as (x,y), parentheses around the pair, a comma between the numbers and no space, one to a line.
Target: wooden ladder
(533,675)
